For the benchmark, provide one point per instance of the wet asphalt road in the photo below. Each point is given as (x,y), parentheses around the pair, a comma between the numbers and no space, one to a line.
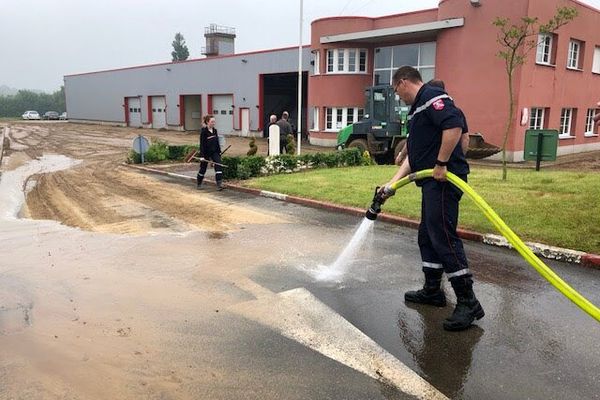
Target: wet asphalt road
(532,344)
(201,335)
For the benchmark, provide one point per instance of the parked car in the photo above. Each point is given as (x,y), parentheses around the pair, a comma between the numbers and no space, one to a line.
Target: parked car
(51,115)
(63,116)
(30,115)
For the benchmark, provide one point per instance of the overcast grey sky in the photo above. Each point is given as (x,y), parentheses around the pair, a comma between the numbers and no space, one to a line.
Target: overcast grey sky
(42,40)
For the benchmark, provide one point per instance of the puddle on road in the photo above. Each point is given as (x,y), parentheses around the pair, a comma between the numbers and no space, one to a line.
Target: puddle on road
(12,183)
(15,319)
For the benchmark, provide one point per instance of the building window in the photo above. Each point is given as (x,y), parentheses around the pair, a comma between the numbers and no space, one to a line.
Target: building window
(419,55)
(315,120)
(566,117)
(589,121)
(343,116)
(329,119)
(361,113)
(536,119)
(316,62)
(352,60)
(350,116)
(596,63)
(362,64)
(344,61)
(574,56)
(544,49)
(330,60)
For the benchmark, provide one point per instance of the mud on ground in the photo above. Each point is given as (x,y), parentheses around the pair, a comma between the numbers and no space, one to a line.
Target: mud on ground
(103,195)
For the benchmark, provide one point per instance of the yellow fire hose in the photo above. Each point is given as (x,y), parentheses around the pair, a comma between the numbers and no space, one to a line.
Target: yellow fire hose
(517,243)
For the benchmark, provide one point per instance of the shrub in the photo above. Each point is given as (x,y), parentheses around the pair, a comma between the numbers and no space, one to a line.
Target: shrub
(231,172)
(250,166)
(180,151)
(290,147)
(158,151)
(366,159)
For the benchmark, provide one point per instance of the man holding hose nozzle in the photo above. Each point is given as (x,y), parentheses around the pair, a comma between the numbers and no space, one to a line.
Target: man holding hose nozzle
(435,128)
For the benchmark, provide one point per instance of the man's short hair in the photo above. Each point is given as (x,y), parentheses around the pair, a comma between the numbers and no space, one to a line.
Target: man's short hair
(408,73)
(437,83)
(285,115)
(273,118)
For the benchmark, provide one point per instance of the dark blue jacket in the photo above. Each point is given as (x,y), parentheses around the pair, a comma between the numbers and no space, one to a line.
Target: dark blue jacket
(209,142)
(432,112)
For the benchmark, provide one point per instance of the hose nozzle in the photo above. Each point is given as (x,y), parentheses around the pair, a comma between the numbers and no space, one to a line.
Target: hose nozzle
(380,196)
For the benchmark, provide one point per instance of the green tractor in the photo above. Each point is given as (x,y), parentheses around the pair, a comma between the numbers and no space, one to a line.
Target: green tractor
(384,128)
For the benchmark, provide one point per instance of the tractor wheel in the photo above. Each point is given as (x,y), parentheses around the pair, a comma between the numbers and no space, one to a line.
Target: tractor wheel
(360,144)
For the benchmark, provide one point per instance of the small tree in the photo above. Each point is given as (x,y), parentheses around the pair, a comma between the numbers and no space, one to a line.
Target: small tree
(180,51)
(516,41)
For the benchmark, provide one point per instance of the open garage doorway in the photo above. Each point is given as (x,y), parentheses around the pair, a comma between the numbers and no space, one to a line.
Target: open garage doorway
(279,94)
(191,112)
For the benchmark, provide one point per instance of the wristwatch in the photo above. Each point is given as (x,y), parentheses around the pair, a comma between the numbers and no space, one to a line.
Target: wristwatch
(441,163)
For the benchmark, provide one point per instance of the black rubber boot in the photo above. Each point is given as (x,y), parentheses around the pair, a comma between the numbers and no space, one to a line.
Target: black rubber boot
(199,180)
(431,293)
(219,186)
(467,308)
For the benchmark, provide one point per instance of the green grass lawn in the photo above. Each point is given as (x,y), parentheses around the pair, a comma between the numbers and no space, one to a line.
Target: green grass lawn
(553,207)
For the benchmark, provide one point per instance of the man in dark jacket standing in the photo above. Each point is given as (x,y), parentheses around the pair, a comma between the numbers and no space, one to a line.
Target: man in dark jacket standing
(284,130)
(435,129)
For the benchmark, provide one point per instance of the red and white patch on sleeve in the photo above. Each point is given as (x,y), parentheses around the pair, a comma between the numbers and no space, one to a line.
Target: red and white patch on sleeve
(438,105)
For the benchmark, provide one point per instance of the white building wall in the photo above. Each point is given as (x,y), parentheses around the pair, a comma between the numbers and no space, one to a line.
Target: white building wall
(99,96)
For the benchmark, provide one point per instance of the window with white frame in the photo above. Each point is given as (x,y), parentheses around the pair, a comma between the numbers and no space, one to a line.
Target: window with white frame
(566,118)
(596,62)
(329,119)
(574,54)
(544,49)
(346,61)
(337,118)
(315,121)
(589,121)
(316,62)
(418,55)
(330,54)
(536,119)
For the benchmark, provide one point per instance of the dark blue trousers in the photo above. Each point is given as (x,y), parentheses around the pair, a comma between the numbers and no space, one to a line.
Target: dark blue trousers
(441,248)
(216,157)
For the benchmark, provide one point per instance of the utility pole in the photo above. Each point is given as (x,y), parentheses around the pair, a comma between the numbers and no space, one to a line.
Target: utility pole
(299,124)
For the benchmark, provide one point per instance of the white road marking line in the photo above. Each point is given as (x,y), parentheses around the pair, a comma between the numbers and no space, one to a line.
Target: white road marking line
(300,316)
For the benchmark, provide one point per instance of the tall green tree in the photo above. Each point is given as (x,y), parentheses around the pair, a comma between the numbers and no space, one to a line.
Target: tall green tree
(180,51)
(516,40)
(13,106)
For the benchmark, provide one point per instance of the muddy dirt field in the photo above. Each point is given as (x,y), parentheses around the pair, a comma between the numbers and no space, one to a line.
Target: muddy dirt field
(103,195)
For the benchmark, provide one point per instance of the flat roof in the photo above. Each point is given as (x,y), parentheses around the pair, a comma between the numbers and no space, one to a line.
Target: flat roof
(399,32)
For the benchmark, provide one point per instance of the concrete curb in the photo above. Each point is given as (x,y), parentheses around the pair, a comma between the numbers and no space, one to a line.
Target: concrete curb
(540,249)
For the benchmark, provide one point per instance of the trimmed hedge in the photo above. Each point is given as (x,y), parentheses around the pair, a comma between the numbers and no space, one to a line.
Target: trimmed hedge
(245,167)
(248,167)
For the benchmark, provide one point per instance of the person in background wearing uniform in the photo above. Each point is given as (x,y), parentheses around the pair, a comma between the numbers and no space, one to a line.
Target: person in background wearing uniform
(435,129)
(284,129)
(210,149)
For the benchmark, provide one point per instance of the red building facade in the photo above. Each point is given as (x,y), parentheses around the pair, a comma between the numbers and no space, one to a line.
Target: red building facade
(557,88)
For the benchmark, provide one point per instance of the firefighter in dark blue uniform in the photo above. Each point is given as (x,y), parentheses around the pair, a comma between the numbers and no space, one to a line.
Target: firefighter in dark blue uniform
(435,128)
